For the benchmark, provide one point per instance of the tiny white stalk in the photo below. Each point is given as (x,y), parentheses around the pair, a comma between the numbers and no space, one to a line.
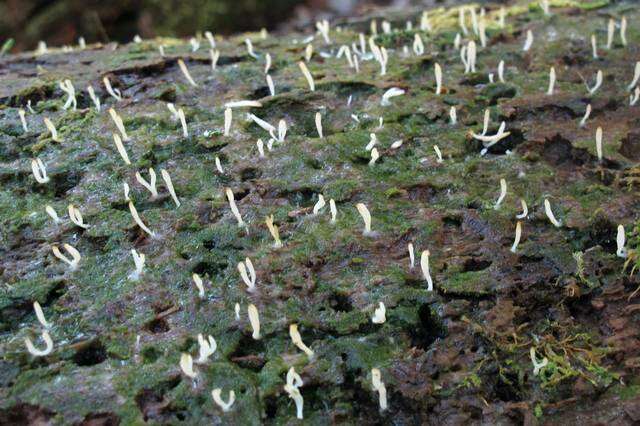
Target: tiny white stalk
(138,221)
(525,210)
(537,366)
(296,339)
(138,260)
(366,218)
(424,265)
(594,46)
(75,255)
(52,130)
(40,352)
(197,280)
(552,81)
(587,113)
(228,117)
(216,394)
(67,87)
(391,93)
(503,193)
(121,150)
(248,274)
(379,387)
(186,365)
(453,115)
(233,206)
(185,72)
(254,319)
(437,69)
(293,383)
(599,78)
(319,125)
(412,257)
(636,76)
(40,314)
(620,241)
(115,93)
(207,347)
(501,71)
(379,315)
(307,75)
(611,28)
(23,120)
(270,85)
(39,171)
(333,210)
(169,183)
(599,143)
(273,230)
(76,217)
(183,122)
(374,156)
(151,184)
(516,241)
(52,213)
(528,41)
(549,213)
(623,30)
(94,98)
(439,158)
(119,124)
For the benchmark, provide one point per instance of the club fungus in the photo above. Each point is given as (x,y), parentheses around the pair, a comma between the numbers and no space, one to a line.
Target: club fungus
(380,54)
(623,30)
(597,85)
(393,92)
(552,81)
(75,255)
(503,193)
(228,117)
(186,365)
(424,265)
(537,366)
(42,320)
(67,87)
(636,76)
(236,309)
(272,88)
(121,150)
(119,124)
(425,25)
(139,260)
(549,213)
(260,145)
(52,130)
(379,315)
(126,191)
(373,140)
(294,381)
(544,5)
(418,45)
(587,113)
(199,285)
(528,41)
(438,154)
(247,273)
(594,46)
(323,28)
(437,69)
(620,240)
(319,205)
(39,171)
(254,319)
(215,56)
(516,241)
(633,99)
(412,257)
(453,115)
(333,210)
(525,210)
(23,120)
(183,122)
(501,71)
(397,144)
(599,143)
(195,44)
(234,207)
(37,352)
(207,348)
(217,398)
(611,28)
(95,99)
(461,20)
(52,213)
(76,216)
(115,93)
(151,185)
(379,387)
(296,338)
(374,156)
(307,75)
(138,221)
(185,72)
(366,218)
(308,52)
(273,229)
(218,165)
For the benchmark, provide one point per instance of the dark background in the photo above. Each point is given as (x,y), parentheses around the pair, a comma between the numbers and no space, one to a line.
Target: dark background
(60,22)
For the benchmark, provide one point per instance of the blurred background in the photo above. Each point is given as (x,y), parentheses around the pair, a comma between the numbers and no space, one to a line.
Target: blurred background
(60,22)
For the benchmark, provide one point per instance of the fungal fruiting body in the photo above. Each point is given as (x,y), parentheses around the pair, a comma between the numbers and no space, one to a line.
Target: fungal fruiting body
(319,205)
(119,124)
(185,72)
(503,193)
(516,241)
(552,81)
(169,183)
(121,149)
(233,206)
(333,209)
(411,255)
(438,72)
(136,218)
(296,338)
(379,315)
(40,315)
(150,185)
(307,75)
(76,217)
(138,260)
(217,398)
(186,365)
(587,113)
(366,218)
(40,352)
(254,319)
(393,92)
(620,241)
(599,143)
(525,210)
(273,229)
(207,346)
(293,383)
(199,285)
(247,273)
(537,366)
(228,117)
(379,387)
(75,255)
(424,265)
(39,171)
(52,130)
(549,213)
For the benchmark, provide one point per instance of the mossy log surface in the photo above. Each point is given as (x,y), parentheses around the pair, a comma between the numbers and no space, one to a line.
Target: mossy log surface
(457,355)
